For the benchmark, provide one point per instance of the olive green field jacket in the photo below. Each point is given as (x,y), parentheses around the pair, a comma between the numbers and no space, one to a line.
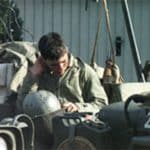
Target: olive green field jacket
(79,84)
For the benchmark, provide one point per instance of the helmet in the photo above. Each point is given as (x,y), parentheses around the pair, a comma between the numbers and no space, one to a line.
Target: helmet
(40,106)
(40,103)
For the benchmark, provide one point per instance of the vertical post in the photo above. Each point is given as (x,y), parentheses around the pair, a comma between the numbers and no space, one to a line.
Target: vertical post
(132,39)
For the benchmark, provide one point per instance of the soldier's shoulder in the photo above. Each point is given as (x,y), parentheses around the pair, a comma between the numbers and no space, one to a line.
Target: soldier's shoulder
(84,66)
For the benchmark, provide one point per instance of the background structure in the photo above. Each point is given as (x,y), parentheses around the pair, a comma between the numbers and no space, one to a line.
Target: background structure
(77,23)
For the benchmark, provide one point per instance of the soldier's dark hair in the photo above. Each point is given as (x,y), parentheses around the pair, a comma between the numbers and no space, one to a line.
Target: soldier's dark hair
(52,46)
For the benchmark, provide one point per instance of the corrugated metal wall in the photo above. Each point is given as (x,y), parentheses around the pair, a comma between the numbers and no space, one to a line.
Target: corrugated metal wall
(78,27)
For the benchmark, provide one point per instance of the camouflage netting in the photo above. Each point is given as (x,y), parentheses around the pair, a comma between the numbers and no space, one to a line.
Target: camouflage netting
(11,24)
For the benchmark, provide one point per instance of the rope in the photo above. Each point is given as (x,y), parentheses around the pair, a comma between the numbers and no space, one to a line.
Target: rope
(96,39)
(112,55)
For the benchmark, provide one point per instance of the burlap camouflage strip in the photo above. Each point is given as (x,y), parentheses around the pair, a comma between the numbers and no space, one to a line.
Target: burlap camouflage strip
(21,54)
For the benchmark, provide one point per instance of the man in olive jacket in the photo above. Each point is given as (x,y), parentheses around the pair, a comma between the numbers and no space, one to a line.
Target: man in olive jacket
(75,83)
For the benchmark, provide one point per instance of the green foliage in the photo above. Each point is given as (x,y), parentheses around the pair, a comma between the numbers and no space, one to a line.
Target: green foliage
(10,22)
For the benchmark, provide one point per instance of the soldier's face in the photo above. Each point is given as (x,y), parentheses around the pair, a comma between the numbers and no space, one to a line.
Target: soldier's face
(58,67)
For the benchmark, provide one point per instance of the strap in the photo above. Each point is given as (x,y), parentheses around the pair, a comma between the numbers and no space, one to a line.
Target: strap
(71,136)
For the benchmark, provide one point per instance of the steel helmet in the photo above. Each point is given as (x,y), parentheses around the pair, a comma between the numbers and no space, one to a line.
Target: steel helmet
(41,107)
(40,103)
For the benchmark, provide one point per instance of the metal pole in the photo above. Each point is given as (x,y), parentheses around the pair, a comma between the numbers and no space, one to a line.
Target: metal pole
(132,39)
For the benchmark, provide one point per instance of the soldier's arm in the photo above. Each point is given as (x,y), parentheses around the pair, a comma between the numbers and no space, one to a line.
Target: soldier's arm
(30,81)
(93,92)
(29,84)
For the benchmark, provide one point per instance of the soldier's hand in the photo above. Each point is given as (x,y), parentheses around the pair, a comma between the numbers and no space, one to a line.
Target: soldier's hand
(38,67)
(70,107)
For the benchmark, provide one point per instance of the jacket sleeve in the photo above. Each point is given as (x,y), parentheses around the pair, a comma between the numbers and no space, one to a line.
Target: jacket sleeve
(29,84)
(93,92)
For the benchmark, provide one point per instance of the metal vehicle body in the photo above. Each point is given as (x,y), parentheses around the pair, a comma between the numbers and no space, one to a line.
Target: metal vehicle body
(123,124)
(120,125)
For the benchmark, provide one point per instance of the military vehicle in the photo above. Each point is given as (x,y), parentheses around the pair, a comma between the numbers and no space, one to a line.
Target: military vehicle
(123,124)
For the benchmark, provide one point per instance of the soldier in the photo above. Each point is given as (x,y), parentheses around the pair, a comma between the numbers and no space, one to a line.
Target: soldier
(74,82)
